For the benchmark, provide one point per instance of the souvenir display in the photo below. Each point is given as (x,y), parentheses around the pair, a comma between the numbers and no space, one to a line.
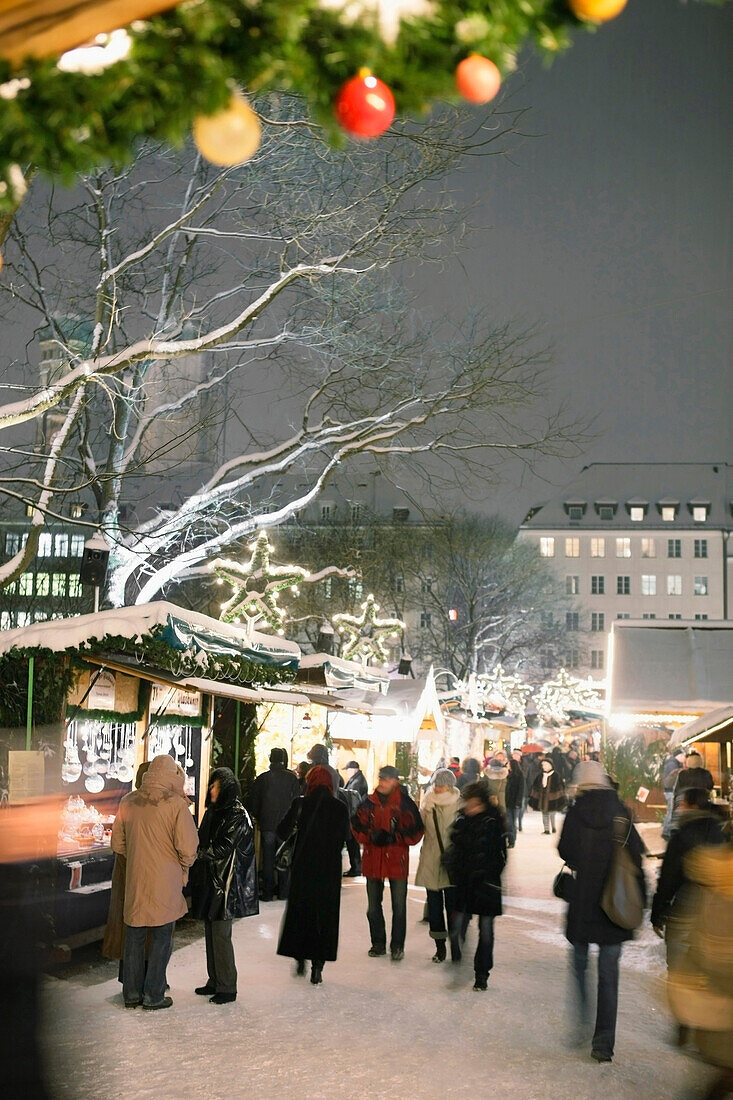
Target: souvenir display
(82,826)
(100,751)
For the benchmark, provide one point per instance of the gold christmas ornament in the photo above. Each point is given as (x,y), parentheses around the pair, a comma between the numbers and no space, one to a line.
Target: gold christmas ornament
(230,136)
(597,11)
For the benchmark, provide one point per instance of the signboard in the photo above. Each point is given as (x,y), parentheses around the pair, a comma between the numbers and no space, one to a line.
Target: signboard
(102,693)
(26,774)
(174,700)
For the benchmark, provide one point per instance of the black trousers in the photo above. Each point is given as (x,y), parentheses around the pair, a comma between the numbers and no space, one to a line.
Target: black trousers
(220,963)
(354,850)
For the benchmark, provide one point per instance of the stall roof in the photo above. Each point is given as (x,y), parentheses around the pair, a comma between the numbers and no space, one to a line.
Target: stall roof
(184,627)
(246,695)
(334,672)
(716,725)
(674,665)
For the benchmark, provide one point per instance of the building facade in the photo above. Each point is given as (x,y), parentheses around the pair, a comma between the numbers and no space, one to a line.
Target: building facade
(637,541)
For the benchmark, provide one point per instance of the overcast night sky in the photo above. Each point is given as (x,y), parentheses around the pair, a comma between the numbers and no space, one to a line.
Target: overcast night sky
(611,228)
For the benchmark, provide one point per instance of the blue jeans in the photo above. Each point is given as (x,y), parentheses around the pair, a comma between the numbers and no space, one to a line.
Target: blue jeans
(440,907)
(375,915)
(483,960)
(609,954)
(139,984)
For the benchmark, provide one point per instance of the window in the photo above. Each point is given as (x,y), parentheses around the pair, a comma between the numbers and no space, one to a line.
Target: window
(12,543)
(428,550)
(623,586)
(572,586)
(605,511)
(426,586)
(328,588)
(42,584)
(45,545)
(40,616)
(399,585)
(636,513)
(668,513)
(24,618)
(623,548)
(701,616)
(61,546)
(77,546)
(572,658)
(325,512)
(355,513)
(74,584)
(571,620)
(623,615)
(596,658)
(597,586)
(572,548)
(598,548)
(598,622)
(700,586)
(77,510)
(699,513)
(6,621)
(674,584)
(575,512)
(675,616)
(25,585)
(648,548)
(547,547)
(426,619)
(58,584)
(356,588)
(29,510)
(648,615)
(674,548)
(701,548)
(648,584)
(546,658)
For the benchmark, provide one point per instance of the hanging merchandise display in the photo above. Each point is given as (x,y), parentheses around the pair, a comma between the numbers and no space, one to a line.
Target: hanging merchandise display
(366,634)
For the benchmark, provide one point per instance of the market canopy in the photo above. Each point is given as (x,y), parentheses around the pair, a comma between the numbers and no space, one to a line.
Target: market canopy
(717,725)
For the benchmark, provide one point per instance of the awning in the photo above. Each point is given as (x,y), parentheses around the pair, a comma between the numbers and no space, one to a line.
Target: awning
(716,725)
(245,695)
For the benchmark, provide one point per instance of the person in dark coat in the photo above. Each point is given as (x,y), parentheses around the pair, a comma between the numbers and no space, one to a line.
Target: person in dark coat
(475,860)
(699,824)
(223,881)
(318,754)
(692,775)
(387,823)
(269,800)
(470,772)
(586,845)
(671,768)
(310,928)
(548,795)
(356,790)
(515,797)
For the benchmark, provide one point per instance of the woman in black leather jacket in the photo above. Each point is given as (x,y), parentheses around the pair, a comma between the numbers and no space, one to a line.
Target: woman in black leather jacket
(223,881)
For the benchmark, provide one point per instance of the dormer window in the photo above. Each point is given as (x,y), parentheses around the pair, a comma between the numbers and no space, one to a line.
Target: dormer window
(700,510)
(605,511)
(668,513)
(636,513)
(575,512)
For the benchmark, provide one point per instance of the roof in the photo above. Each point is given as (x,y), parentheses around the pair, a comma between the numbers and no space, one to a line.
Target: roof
(649,484)
(670,665)
(716,725)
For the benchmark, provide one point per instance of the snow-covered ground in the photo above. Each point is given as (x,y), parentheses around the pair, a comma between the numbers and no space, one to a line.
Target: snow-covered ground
(374,1028)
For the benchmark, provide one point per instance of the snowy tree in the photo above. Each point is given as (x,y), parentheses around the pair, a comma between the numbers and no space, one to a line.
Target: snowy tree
(247,336)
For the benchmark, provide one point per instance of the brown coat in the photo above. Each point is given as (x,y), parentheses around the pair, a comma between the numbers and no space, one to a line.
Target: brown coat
(156,833)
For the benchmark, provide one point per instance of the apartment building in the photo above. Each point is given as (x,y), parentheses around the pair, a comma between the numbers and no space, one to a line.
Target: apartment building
(634,540)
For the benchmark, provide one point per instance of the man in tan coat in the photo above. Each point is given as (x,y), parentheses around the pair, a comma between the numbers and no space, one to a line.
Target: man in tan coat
(156,833)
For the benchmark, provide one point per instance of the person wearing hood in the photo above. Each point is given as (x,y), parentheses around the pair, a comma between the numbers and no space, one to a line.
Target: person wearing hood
(470,772)
(587,845)
(318,754)
(156,833)
(310,928)
(223,881)
(548,795)
(438,811)
(270,798)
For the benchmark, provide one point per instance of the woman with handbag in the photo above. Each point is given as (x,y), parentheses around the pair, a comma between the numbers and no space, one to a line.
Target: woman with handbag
(438,811)
(310,926)
(223,881)
(595,825)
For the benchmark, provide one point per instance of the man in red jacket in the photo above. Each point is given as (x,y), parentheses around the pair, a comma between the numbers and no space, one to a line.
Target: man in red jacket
(386,824)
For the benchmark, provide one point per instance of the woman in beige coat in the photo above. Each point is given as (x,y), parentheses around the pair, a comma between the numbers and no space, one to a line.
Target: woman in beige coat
(156,833)
(438,811)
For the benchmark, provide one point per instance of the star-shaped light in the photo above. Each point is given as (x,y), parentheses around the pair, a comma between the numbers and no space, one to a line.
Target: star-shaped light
(257,584)
(556,697)
(366,633)
(499,686)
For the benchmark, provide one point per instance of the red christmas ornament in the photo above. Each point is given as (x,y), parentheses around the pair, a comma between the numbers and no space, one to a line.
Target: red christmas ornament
(365,106)
(477,79)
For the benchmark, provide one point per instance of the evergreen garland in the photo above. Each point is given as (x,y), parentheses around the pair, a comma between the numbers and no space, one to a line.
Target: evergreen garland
(53,678)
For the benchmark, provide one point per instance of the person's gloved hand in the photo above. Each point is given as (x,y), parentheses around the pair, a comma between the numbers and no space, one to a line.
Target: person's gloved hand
(380,837)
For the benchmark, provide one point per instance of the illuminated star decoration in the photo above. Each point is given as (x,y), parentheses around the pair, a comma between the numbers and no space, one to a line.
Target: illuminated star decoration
(498,686)
(366,633)
(556,697)
(256,585)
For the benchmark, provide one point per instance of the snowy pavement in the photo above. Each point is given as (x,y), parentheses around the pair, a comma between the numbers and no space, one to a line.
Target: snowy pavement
(374,1027)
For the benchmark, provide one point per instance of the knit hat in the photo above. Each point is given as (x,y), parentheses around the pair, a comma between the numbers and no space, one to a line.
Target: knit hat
(353,765)
(318,776)
(444,777)
(388,772)
(590,775)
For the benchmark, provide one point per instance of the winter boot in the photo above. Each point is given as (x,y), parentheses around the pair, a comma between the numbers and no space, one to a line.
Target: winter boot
(439,955)
(316,973)
(481,983)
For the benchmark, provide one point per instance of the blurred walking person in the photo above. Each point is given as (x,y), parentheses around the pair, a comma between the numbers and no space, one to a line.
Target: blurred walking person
(587,846)
(475,860)
(470,772)
(438,812)
(269,800)
(223,881)
(548,795)
(670,770)
(310,929)
(355,790)
(516,794)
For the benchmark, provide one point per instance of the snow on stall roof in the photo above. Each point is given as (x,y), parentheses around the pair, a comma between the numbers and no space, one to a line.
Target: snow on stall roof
(247,695)
(130,622)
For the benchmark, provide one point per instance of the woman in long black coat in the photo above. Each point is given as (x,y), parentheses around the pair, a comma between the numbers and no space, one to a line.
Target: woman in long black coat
(475,860)
(310,927)
(223,881)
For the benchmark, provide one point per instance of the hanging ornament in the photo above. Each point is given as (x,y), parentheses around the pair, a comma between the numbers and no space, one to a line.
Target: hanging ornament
(230,136)
(366,633)
(596,11)
(477,78)
(365,106)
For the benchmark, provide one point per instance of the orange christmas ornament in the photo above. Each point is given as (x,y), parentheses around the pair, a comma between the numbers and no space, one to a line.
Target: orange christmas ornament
(230,136)
(477,78)
(596,11)
(365,106)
